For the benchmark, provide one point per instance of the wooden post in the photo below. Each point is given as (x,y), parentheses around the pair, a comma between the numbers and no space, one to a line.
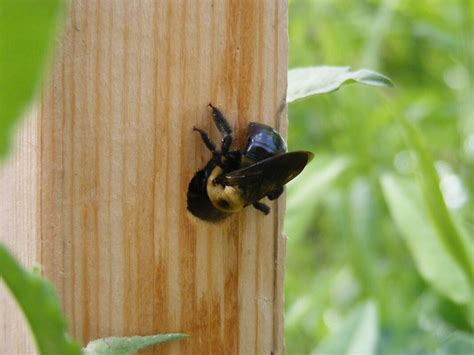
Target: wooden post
(96,191)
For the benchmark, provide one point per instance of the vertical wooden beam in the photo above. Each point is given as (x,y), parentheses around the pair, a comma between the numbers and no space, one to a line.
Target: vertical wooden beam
(115,152)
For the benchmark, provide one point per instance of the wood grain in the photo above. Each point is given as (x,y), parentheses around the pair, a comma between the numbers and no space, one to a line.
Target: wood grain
(114,153)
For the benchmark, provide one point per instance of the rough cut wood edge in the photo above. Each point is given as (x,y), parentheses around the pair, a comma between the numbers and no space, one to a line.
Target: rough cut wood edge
(96,193)
(18,228)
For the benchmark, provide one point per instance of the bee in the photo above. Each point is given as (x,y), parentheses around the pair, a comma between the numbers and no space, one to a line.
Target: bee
(233,179)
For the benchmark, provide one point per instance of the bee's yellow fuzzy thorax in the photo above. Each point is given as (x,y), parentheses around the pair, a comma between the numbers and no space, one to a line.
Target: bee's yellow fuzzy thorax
(224,198)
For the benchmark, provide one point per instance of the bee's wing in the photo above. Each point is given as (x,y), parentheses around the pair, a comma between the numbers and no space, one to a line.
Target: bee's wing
(258,180)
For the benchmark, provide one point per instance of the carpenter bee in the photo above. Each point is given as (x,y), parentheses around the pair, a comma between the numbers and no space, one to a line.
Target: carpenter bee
(234,179)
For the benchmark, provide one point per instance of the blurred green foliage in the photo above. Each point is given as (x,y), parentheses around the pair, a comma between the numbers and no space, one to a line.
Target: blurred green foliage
(40,305)
(27,33)
(381,224)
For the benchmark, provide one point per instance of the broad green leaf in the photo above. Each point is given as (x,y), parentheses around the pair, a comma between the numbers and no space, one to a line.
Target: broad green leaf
(305,191)
(433,261)
(128,345)
(303,82)
(27,32)
(40,304)
(358,334)
(448,234)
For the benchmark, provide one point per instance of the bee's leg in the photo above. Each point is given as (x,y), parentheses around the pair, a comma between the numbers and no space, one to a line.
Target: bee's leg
(261,207)
(223,127)
(275,194)
(210,145)
(205,138)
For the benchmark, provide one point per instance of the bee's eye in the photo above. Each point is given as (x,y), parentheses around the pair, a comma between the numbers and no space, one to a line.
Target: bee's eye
(217,181)
(223,203)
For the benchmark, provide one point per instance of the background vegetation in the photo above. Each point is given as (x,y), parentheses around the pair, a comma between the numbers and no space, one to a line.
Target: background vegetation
(381,225)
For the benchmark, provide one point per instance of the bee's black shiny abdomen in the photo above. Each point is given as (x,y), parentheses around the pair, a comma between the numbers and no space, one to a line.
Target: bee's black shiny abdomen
(263,142)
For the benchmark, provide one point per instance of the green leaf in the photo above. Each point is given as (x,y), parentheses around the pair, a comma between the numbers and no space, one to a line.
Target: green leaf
(434,263)
(40,304)
(358,334)
(27,31)
(306,191)
(448,234)
(128,345)
(303,82)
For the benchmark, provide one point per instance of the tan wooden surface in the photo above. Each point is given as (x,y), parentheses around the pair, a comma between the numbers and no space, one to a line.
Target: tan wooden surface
(96,191)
